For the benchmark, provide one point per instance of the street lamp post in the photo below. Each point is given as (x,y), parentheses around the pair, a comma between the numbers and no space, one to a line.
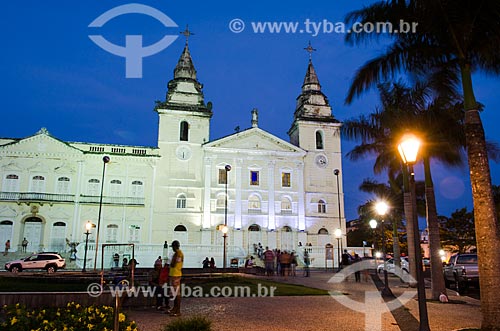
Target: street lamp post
(105,160)
(227,168)
(373,225)
(336,172)
(338,235)
(88,226)
(408,149)
(381,208)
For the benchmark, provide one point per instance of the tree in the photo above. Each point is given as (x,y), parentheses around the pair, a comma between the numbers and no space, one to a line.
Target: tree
(453,39)
(458,231)
(440,127)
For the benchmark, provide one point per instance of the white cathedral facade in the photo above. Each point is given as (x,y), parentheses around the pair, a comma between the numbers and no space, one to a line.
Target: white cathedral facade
(281,194)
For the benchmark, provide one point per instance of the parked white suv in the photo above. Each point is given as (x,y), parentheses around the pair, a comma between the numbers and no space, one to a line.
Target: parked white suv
(390,265)
(45,261)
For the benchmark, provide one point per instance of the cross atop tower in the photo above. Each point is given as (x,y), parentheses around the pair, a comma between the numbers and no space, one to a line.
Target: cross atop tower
(309,49)
(186,33)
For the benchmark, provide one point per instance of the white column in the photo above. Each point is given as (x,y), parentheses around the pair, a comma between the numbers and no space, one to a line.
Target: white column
(206,202)
(301,196)
(237,198)
(76,210)
(151,208)
(271,224)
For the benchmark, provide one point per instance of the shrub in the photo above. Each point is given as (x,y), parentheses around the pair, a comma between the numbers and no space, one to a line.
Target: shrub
(73,317)
(196,323)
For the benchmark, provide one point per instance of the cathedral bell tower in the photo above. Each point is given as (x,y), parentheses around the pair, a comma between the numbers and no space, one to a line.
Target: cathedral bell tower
(317,131)
(184,126)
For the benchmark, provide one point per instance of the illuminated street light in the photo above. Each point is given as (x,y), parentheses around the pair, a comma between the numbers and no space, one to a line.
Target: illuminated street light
(408,149)
(338,235)
(381,207)
(88,227)
(224,229)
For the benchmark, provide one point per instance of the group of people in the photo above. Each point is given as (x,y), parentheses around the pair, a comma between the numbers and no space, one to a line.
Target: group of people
(24,246)
(283,262)
(346,261)
(171,274)
(208,264)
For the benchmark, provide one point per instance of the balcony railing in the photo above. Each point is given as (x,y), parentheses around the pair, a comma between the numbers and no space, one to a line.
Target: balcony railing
(112,200)
(53,197)
(33,196)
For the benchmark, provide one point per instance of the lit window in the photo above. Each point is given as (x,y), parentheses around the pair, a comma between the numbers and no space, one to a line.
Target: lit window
(222,176)
(321,206)
(285,179)
(181,201)
(254,178)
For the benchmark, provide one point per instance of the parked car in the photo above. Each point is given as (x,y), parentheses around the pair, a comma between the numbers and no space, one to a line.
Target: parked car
(390,265)
(462,271)
(426,262)
(48,261)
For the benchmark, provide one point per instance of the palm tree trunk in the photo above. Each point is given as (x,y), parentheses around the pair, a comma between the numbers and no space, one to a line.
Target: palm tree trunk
(437,279)
(395,247)
(487,231)
(410,235)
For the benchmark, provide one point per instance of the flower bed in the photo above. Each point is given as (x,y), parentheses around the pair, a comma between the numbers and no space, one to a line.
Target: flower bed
(73,317)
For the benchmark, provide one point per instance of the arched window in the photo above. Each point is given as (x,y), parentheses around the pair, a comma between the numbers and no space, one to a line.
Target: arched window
(319,140)
(58,237)
(321,206)
(93,187)
(115,188)
(11,183)
(38,184)
(137,189)
(181,234)
(221,201)
(63,184)
(323,231)
(254,227)
(112,233)
(286,205)
(253,203)
(180,228)
(184,131)
(181,201)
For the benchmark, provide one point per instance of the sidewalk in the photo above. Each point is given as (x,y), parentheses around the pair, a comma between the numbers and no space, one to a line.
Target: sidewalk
(320,312)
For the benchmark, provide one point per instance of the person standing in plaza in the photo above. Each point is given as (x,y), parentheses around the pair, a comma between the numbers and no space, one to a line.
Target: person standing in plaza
(269,262)
(24,245)
(307,262)
(7,247)
(175,276)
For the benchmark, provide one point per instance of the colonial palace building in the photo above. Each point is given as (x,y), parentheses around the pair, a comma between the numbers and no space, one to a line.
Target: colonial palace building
(281,194)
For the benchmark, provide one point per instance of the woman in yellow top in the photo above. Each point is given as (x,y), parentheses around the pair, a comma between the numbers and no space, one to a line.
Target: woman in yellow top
(175,275)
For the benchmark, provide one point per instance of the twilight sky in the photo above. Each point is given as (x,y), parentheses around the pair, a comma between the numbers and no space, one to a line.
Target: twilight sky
(54,76)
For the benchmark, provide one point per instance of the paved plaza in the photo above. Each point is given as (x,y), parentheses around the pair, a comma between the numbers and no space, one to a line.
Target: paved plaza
(303,313)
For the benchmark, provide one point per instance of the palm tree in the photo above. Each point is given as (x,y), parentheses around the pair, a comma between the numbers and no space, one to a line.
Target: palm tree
(454,38)
(435,119)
